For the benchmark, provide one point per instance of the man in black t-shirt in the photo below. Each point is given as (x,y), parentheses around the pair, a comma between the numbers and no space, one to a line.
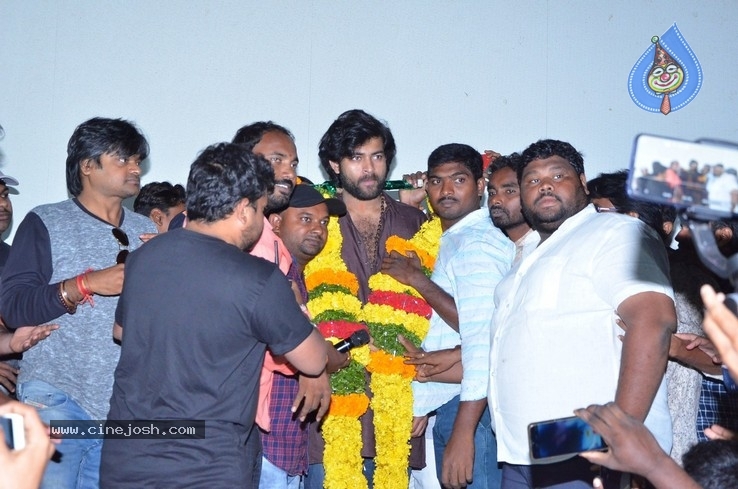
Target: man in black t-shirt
(195,317)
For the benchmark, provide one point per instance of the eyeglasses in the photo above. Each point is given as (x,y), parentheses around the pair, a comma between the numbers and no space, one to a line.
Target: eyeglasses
(123,243)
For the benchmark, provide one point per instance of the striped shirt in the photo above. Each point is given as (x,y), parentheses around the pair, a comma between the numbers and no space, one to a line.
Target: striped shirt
(474,256)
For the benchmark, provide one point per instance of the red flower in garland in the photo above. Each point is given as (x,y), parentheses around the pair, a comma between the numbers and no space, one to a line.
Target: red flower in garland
(339,329)
(403,302)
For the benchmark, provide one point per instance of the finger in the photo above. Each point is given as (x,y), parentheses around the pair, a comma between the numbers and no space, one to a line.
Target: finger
(7,383)
(323,409)
(597,458)
(717,432)
(431,370)
(408,345)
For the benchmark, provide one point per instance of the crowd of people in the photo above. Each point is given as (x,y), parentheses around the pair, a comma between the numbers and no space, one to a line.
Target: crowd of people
(713,185)
(188,314)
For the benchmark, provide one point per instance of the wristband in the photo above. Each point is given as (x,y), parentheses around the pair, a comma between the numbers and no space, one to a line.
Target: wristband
(84,289)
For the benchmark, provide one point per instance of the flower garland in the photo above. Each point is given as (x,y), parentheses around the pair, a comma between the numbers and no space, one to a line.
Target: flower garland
(335,309)
(392,309)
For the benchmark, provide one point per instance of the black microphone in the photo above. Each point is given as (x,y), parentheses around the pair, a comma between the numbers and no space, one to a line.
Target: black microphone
(359,338)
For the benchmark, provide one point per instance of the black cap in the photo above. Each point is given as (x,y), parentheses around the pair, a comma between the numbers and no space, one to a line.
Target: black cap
(308,196)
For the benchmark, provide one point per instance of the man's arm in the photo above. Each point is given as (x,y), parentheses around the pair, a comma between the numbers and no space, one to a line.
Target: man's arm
(651,320)
(407,270)
(310,356)
(458,457)
(27,295)
(476,269)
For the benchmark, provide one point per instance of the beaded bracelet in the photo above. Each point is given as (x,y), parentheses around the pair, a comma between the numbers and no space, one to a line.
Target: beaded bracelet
(69,306)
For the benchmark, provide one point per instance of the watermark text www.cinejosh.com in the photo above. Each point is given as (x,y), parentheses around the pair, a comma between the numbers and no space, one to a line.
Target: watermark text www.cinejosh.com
(132,429)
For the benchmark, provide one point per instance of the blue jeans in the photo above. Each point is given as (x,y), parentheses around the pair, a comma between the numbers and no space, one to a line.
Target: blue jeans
(486,473)
(77,461)
(272,477)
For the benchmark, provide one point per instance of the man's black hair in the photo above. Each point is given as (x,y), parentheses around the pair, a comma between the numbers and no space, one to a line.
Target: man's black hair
(614,186)
(250,135)
(158,195)
(713,464)
(546,148)
(352,129)
(221,176)
(99,136)
(511,161)
(457,153)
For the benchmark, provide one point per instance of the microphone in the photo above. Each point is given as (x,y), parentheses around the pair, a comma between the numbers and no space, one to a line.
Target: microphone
(359,338)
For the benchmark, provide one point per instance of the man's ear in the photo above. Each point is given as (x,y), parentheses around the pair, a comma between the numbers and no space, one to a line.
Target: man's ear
(668,227)
(336,167)
(157,216)
(583,179)
(85,166)
(275,220)
(243,211)
(481,184)
(723,236)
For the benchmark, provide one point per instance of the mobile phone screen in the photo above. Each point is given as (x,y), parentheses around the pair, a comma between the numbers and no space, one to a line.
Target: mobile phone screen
(7,426)
(699,175)
(565,436)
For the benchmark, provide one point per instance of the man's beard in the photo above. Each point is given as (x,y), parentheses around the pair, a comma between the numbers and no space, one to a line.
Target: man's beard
(551,222)
(277,201)
(504,221)
(357,192)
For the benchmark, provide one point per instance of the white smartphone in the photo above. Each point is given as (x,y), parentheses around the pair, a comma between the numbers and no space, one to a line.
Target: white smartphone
(13,428)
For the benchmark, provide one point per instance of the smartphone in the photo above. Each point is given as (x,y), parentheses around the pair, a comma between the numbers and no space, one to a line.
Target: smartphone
(563,436)
(698,175)
(12,424)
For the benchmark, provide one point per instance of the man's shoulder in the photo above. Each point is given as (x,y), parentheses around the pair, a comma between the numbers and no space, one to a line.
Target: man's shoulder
(477,229)
(45,210)
(406,214)
(137,221)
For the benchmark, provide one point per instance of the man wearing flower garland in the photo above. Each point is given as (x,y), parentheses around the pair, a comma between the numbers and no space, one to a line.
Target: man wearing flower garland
(356,152)
(474,255)
(555,343)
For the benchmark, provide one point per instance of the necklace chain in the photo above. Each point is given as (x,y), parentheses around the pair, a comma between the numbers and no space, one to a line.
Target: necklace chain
(375,256)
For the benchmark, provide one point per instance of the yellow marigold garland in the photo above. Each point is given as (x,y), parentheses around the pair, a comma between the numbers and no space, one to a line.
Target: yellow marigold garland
(393,418)
(390,381)
(389,315)
(334,301)
(342,455)
(390,384)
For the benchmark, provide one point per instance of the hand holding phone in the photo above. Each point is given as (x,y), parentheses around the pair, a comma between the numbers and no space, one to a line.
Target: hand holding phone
(24,464)
(13,429)
(563,436)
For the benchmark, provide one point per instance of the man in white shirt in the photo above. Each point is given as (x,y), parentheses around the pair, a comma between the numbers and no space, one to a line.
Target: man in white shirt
(555,344)
(722,189)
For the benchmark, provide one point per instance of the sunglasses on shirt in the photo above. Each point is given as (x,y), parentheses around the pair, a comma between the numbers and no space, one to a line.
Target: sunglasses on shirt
(123,243)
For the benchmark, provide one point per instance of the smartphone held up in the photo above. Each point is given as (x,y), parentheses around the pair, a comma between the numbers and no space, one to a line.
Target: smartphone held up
(701,176)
